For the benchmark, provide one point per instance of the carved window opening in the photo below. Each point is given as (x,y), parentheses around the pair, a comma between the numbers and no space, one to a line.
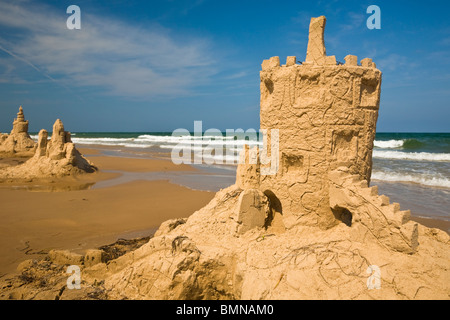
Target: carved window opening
(343,215)
(274,220)
(345,146)
(369,93)
(269,85)
(292,164)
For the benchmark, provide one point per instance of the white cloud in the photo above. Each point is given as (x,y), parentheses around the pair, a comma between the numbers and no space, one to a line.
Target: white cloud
(238,75)
(354,21)
(393,61)
(117,57)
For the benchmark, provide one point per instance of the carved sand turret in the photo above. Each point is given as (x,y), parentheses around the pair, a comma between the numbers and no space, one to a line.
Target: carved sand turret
(56,157)
(61,148)
(326,116)
(316,52)
(18,142)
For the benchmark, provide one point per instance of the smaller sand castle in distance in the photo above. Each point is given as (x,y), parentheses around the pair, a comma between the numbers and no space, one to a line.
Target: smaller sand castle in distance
(52,158)
(18,143)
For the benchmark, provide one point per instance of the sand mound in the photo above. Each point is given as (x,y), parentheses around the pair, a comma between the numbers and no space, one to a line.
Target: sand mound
(55,158)
(207,258)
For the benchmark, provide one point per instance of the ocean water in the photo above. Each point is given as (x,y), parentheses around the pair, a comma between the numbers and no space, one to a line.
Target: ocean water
(412,168)
(421,158)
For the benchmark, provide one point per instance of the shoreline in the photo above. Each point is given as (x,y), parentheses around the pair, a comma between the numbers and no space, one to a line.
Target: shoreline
(432,222)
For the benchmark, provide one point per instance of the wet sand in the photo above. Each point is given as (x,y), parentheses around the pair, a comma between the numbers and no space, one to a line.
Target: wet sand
(35,222)
(432,223)
(137,165)
(428,205)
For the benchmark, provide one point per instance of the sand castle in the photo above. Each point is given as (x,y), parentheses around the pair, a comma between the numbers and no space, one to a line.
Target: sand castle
(326,115)
(314,230)
(55,158)
(18,143)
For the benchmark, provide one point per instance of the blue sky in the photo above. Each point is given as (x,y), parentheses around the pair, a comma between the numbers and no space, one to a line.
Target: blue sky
(160,65)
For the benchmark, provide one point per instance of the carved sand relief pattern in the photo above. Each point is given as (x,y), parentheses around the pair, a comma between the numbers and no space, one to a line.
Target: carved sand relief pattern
(326,116)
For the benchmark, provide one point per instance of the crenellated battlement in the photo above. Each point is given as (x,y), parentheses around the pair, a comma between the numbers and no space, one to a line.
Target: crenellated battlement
(316,52)
(350,61)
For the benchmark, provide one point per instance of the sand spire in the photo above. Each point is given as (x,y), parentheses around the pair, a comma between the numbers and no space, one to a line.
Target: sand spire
(316,52)
(18,142)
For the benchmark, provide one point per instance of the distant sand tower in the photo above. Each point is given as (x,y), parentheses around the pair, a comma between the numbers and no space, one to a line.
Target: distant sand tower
(326,115)
(18,142)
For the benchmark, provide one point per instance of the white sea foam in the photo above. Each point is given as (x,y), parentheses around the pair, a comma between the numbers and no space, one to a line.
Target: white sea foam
(423,179)
(237,145)
(99,140)
(229,142)
(417,156)
(165,142)
(123,142)
(130,145)
(181,139)
(389,144)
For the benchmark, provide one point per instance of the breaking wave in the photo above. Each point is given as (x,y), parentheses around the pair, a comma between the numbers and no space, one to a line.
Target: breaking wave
(388,144)
(424,179)
(398,144)
(417,156)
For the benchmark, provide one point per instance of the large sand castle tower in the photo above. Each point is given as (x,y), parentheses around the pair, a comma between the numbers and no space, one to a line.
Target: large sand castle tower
(326,114)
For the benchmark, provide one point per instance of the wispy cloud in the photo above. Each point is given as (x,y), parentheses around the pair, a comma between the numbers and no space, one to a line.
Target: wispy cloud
(441,56)
(302,18)
(114,56)
(238,75)
(9,67)
(393,61)
(355,20)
